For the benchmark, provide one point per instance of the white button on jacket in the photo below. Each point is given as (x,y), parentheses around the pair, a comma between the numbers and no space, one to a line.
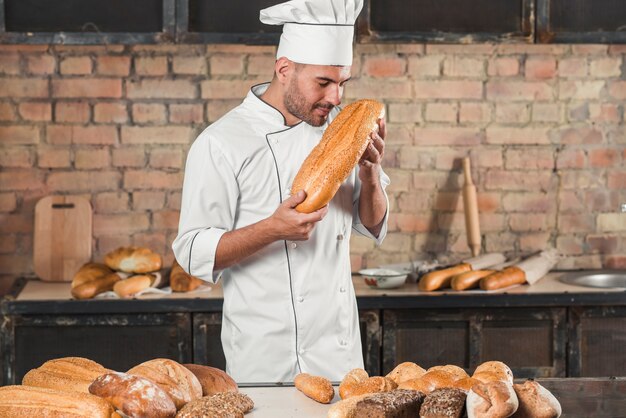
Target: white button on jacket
(236,174)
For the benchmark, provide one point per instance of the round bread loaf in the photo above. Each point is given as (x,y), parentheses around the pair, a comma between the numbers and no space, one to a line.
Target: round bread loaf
(497,367)
(535,401)
(212,380)
(406,371)
(455,371)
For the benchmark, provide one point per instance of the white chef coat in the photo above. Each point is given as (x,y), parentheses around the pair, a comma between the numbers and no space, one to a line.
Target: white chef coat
(290,307)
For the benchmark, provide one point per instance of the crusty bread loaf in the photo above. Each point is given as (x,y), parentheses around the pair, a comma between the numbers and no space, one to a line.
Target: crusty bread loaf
(439,279)
(501,370)
(317,388)
(129,287)
(181,281)
(431,380)
(88,272)
(135,396)
(31,402)
(406,371)
(212,380)
(92,279)
(174,378)
(491,400)
(136,260)
(504,278)
(466,383)
(370,385)
(337,153)
(535,401)
(220,405)
(350,379)
(68,373)
(456,371)
(469,279)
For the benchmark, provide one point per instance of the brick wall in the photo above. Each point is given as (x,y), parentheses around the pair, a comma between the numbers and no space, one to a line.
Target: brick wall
(543,125)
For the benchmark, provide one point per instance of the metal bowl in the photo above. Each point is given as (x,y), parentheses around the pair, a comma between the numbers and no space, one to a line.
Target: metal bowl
(596,278)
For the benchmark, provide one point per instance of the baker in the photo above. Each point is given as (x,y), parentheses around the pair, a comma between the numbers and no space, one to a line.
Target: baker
(289,303)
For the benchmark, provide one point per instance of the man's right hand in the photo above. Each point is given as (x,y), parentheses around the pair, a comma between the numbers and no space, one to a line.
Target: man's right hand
(289,224)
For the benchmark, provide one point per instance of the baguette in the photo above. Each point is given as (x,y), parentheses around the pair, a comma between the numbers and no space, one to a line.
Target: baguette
(469,279)
(129,287)
(66,374)
(92,288)
(441,278)
(315,387)
(88,272)
(337,153)
(30,402)
(504,278)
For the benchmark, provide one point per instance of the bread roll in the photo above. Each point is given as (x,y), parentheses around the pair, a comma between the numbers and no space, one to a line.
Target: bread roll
(406,371)
(504,278)
(137,260)
(212,380)
(345,408)
(31,402)
(128,288)
(65,374)
(370,385)
(441,278)
(180,281)
(491,400)
(315,387)
(469,279)
(337,153)
(174,378)
(455,371)
(535,401)
(351,378)
(501,370)
(135,396)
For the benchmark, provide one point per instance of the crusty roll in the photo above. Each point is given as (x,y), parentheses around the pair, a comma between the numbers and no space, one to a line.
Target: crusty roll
(469,279)
(174,378)
(31,402)
(180,281)
(439,279)
(137,260)
(212,380)
(337,153)
(535,401)
(345,408)
(455,371)
(370,385)
(504,278)
(501,370)
(65,374)
(317,388)
(135,396)
(129,287)
(491,400)
(406,371)
(351,378)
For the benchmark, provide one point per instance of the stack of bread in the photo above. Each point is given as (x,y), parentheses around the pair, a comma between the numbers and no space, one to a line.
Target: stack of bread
(126,271)
(160,388)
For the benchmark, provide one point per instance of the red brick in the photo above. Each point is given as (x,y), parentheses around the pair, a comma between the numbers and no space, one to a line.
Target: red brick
(448,89)
(447,136)
(504,67)
(35,111)
(519,180)
(8,202)
(90,159)
(433,179)
(173,200)
(534,241)
(87,181)
(573,68)
(499,241)
(605,67)
(157,135)
(19,135)
(165,219)
(519,91)
(141,179)
(9,64)
(50,157)
(512,113)
(401,180)
(577,179)
(18,223)
(7,112)
(570,245)
(570,158)
(540,68)
(149,113)
(87,88)
(529,158)
(384,66)
(606,157)
(414,158)
(77,112)
(467,67)
(128,223)
(189,65)
(186,113)
(226,64)
(166,158)
(20,180)
(523,222)
(446,158)
(546,112)
(113,65)
(160,89)
(218,108)
(110,113)
(423,67)
(412,222)
(153,240)
(74,134)
(603,244)
(262,65)
(76,66)
(16,266)
(487,157)
(40,64)
(23,87)
(108,243)
(129,156)
(377,88)
(523,136)
(601,200)
(617,89)
(474,112)
(604,112)
(576,222)
(111,202)
(148,200)
(442,112)
(528,202)
(23,48)
(405,112)
(616,262)
(8,244)
(583,135)
(616,179)
(16,157)
(151,66)
(617,49)
(580,89)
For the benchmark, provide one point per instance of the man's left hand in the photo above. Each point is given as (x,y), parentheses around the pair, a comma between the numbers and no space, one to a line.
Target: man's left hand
(369,163)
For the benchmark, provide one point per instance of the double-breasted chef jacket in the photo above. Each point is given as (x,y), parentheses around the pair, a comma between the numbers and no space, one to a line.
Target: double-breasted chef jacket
(290,307)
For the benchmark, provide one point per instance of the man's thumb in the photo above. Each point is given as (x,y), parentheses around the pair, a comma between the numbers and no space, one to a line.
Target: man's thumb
(296,199)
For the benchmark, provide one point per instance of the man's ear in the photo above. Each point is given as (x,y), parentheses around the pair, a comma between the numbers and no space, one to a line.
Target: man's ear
(283,69)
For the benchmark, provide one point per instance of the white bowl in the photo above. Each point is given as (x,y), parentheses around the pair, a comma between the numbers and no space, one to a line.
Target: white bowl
(383,278)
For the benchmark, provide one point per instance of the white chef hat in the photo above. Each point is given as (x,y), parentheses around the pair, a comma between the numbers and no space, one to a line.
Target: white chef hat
(315,31)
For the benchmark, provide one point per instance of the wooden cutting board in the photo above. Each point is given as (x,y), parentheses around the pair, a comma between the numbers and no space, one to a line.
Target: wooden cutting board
(62,238)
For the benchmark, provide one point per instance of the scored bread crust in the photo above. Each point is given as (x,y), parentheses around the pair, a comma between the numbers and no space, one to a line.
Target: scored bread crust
(331,161)
(68,373)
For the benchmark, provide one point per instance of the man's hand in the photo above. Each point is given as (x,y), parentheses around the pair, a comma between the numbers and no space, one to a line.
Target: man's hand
(372,157)
(289,224)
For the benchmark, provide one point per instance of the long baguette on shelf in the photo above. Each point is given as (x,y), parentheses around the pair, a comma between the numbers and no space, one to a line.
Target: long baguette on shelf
(504,278)
(439,279)
(469,279)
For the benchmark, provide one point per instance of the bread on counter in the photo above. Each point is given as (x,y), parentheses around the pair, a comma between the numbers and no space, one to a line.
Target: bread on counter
(31,402)
(351,378)
(65,374)
(406,371)
(129,287)
(397,403)
(222,405)
(370,385)
(535,401)
(317,388)
(443,403)
(498,368)
(181,281)
(138,260)
(492,400)
(92,279)
(212,379)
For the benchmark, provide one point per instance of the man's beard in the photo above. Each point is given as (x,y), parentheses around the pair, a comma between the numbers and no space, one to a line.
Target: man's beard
(296,104)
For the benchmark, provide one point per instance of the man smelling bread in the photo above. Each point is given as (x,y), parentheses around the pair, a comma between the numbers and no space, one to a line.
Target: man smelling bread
(289,303)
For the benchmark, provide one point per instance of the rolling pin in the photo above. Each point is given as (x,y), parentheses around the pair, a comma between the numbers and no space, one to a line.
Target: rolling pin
(470,206)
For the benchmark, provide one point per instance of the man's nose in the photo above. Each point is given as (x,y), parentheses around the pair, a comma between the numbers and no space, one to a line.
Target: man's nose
(334,95)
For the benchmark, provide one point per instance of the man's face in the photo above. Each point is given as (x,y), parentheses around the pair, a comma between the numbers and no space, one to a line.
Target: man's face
(314,90)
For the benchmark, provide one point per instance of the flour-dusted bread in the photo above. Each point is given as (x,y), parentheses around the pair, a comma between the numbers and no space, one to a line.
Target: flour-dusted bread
(495,399)
(136,260)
